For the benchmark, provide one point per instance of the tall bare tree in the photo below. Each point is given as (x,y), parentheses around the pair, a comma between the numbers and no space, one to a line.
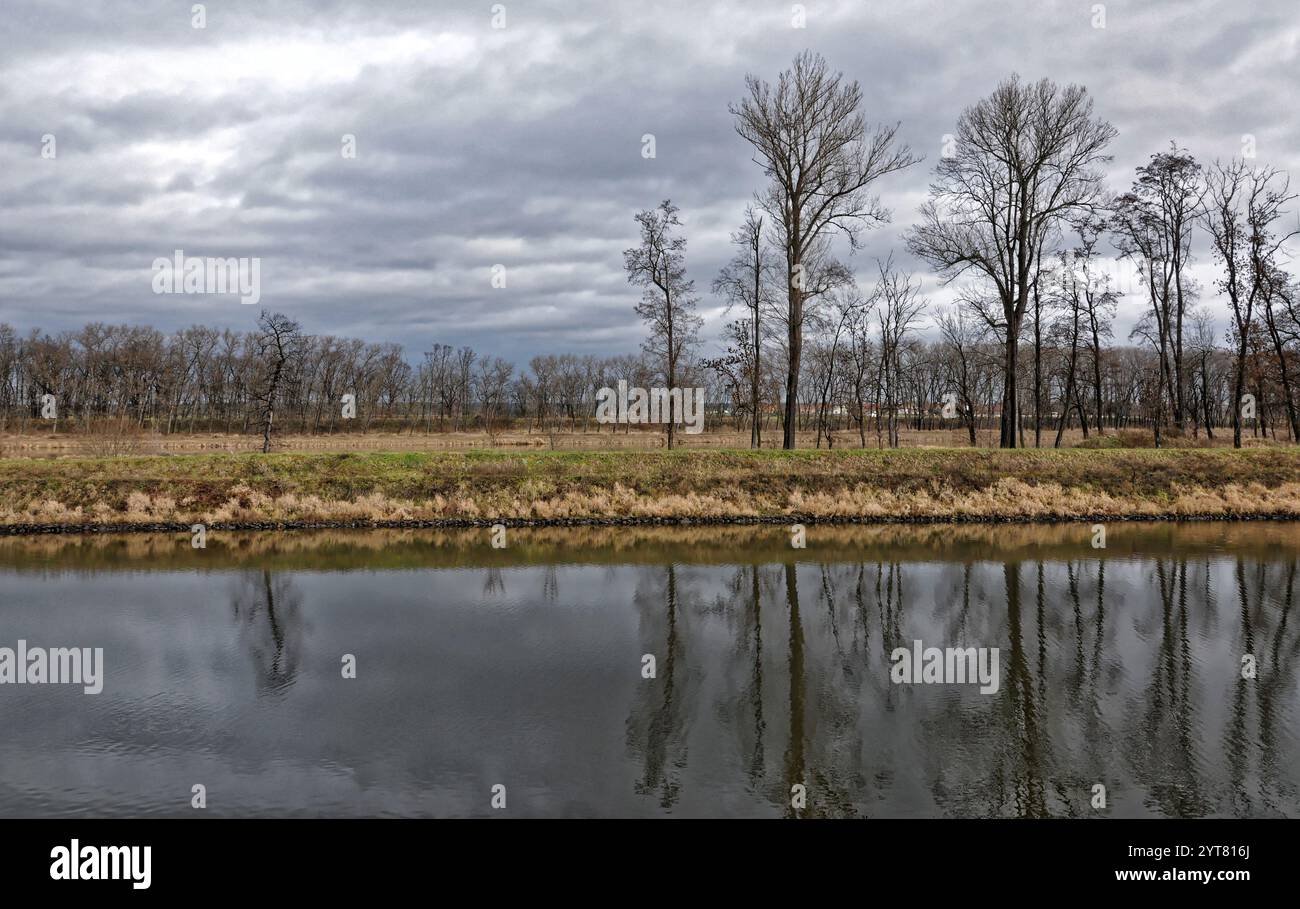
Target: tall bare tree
(1083,294)
(1100,303)
(1153,224)
(747,280)
(1279,309)
(810,138)
(1241,206)
(658,265)
(1025,158)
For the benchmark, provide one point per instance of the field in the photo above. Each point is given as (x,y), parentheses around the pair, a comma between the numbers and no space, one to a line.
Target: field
(77,444)
(917,484)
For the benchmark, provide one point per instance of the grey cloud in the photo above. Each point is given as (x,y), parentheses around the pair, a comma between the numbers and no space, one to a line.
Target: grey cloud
(519,147)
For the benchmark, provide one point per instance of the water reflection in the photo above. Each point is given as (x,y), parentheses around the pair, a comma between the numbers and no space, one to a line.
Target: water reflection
(1127,695)
(658,722)
(1121,667)
(268,615)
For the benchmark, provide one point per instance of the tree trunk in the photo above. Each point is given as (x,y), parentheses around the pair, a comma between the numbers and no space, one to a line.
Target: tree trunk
(1009,402)
(755,434)
(792,378)
(1038,369)
(1239,383)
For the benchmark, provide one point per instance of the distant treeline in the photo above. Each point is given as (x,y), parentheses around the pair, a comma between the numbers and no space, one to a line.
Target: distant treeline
(114,379)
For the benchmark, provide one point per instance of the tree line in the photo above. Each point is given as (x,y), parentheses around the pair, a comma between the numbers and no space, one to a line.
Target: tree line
(1018,221)
(104,378)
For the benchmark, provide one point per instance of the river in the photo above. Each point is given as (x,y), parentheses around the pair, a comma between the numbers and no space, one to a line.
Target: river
(705,671)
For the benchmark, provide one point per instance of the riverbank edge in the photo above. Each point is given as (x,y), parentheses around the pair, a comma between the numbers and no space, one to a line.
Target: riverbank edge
(738,488)
(15,530)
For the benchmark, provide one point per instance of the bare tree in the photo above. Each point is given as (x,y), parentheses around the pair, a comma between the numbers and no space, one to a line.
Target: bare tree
(658,266)
(1083,295)
(898,308)
(1279,310)
(278,340)
(1153,224)
(811,140)
(1025,158)
(1241,206)
(747,280)
(962,339)
(492,384)
(848,307)
(732,371)
(1203,352)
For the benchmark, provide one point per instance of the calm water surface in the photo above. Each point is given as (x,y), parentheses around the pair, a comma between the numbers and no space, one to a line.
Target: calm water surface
(523,667)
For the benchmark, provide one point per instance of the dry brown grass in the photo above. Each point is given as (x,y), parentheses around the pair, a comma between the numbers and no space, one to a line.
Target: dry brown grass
(106,441)
(916,484)
(1008,499)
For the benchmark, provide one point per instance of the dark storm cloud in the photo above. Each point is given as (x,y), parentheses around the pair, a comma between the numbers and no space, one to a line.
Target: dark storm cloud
(519,146)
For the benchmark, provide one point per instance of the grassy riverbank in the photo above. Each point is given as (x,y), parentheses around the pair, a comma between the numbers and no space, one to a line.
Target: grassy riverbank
(920,484)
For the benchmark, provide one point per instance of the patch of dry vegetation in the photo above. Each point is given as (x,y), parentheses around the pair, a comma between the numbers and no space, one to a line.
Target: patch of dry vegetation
(115,438)
(920,484)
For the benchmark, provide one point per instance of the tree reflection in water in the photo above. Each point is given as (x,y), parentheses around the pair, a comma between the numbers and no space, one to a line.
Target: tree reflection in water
(267,609)
(1122,687)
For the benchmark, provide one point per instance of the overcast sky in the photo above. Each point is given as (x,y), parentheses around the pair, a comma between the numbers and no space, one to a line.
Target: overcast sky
(522,145)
